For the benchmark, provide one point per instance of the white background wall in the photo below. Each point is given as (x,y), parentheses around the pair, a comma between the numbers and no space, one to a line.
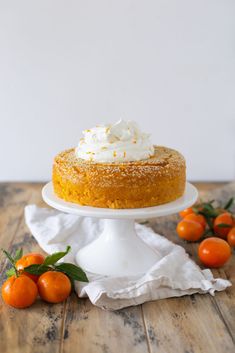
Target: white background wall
(67,65)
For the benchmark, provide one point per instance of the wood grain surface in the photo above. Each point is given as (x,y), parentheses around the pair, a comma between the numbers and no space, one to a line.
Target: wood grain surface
(189,324)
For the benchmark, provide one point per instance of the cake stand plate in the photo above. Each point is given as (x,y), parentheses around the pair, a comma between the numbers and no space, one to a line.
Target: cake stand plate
(118,251)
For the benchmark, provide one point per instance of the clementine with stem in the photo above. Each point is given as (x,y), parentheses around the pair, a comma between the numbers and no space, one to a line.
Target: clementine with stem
(27,260)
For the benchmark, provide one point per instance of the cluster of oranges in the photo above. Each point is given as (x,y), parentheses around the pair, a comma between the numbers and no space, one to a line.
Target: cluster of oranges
(217,227)
(30,276)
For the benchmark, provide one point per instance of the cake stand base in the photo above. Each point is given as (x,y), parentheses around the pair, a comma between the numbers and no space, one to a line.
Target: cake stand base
(118,251)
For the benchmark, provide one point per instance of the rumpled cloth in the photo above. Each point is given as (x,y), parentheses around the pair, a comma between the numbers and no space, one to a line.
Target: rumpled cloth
(174,275)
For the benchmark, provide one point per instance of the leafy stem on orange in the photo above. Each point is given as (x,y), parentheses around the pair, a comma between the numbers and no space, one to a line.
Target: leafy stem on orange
(13,259)
(210,212)
(51,264)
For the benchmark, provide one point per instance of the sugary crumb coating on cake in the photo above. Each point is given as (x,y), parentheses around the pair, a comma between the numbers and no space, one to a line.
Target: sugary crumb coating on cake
(150,182)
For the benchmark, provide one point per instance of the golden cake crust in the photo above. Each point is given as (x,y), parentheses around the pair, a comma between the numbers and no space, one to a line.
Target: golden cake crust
(150,182)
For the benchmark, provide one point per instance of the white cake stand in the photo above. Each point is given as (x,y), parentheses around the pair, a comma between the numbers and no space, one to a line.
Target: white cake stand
(118,251)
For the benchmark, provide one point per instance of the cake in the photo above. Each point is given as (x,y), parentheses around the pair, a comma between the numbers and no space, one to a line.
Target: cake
(116,166)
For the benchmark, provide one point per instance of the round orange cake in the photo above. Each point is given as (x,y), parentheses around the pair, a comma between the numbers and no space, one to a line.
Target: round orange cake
(149,182)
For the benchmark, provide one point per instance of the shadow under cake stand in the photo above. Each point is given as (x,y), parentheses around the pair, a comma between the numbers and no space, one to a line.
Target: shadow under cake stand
(118,251)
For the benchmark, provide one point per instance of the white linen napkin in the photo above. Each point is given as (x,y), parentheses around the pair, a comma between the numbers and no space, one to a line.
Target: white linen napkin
(173,276)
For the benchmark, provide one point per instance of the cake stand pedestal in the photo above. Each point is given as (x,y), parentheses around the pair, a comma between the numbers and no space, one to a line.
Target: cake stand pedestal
(118,251)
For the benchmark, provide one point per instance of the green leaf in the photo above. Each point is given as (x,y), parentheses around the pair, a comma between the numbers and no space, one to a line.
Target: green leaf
(10,272)
(37,269)
(12,261)
(208,220)
(229,203)
(10,258)
(211,201)
(72,271)
(18,254)
(224,225)
(209,212)
(52,259)
(208,207)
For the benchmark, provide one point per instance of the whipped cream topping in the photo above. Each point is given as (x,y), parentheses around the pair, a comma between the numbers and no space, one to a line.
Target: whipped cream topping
(120,142)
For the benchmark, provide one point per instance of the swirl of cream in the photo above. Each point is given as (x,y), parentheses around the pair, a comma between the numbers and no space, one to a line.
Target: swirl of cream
(120,142)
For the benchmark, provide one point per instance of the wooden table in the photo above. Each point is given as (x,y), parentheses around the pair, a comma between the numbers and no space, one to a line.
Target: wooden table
(197,323)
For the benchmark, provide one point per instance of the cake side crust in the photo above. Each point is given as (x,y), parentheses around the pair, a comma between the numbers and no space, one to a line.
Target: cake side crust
(157,180)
